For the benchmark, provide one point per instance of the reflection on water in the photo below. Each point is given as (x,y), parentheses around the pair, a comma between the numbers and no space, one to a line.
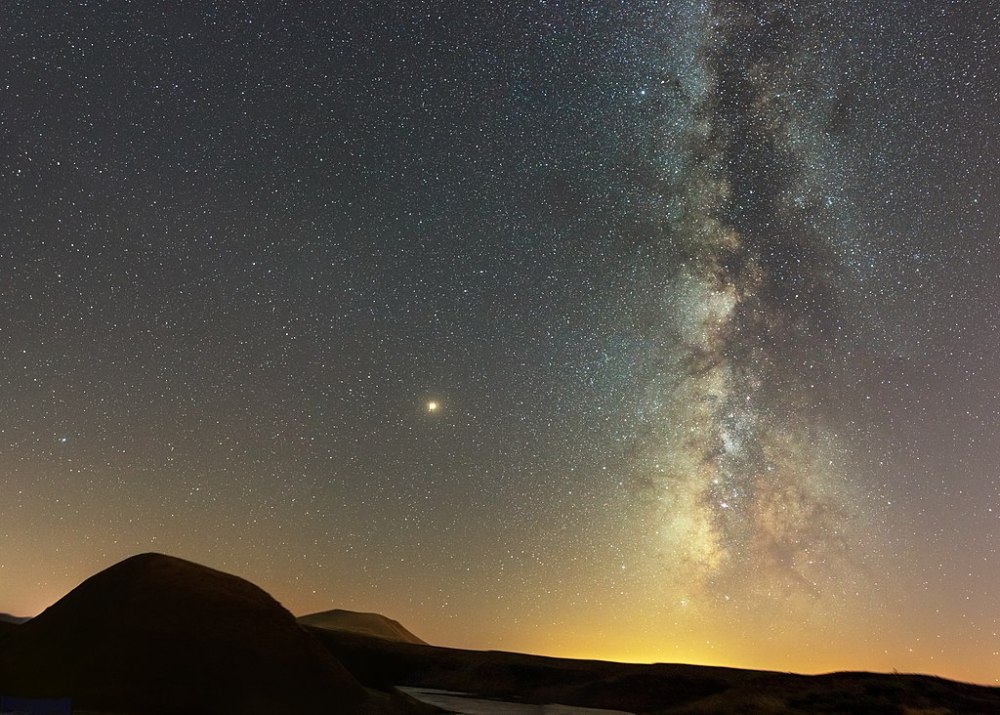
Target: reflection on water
(472,704)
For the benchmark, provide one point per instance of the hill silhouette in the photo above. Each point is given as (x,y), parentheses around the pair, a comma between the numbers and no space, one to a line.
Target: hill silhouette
(157,634)
(371,624)
(653,689)
(8,623)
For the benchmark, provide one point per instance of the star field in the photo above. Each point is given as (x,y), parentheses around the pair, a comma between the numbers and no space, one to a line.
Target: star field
(656,330)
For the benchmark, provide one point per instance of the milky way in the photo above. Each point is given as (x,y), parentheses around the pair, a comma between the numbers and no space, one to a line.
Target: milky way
(745,469)
(704,294)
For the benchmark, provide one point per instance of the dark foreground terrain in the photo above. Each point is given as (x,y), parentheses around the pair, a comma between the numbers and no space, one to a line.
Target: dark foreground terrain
(155,634)
(659,688)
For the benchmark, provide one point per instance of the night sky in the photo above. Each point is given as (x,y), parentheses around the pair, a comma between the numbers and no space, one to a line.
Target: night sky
(624,329)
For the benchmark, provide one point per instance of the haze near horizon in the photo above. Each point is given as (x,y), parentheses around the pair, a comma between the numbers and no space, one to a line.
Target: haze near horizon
(656,331)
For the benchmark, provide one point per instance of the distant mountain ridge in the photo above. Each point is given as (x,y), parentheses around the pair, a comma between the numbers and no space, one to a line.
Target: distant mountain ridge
(648,689)
(370,624)
(159,635)
(9,623)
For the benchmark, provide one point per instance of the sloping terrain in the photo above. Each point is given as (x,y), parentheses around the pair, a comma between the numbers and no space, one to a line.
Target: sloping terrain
(156,634)
(8,623)
(370,624)
(658,689)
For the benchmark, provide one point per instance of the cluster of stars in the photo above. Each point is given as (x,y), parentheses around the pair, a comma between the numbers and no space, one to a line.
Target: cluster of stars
(556,327)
